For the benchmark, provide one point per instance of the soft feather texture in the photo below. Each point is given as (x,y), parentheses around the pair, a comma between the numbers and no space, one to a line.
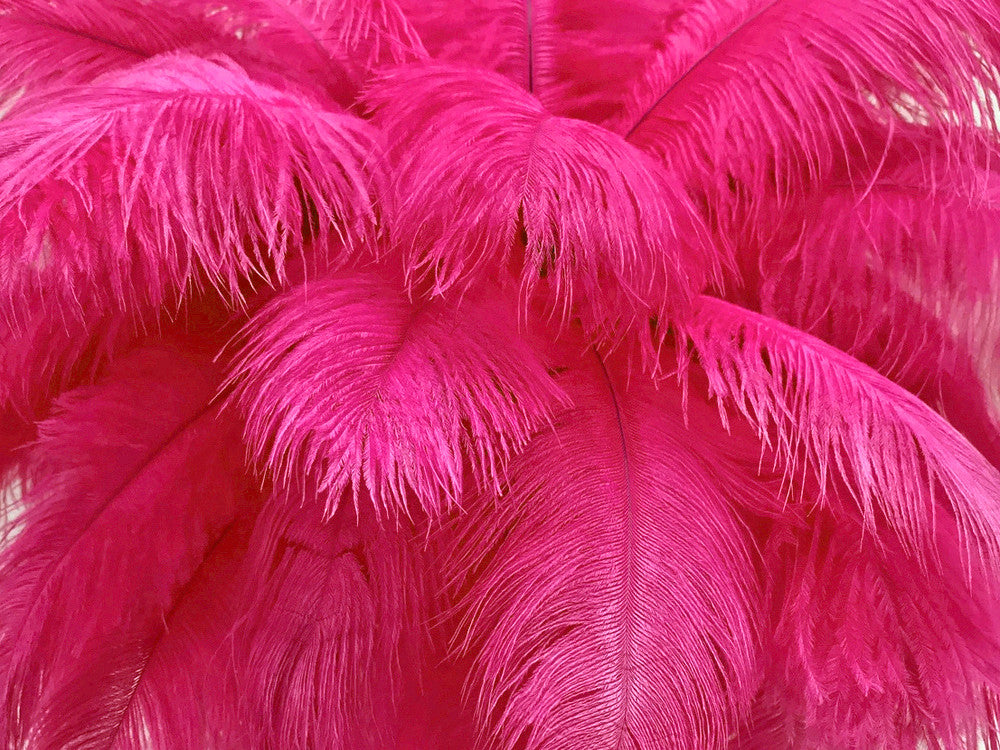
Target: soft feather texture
(396,398)
(615,549)
(770,93)
(491,181)
(332,612)
(336,354)
(138,456)
(122,193)
(821,408)
(831,587)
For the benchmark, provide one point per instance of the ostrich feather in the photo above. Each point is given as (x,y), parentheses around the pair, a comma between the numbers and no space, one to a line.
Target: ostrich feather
(332,613)
(867,649)
(898,458)
(176,173)
(607,597)
(320,425)
(349,378)
(769,93)
(132,480)
(491,181)
(357,33)
(48,45)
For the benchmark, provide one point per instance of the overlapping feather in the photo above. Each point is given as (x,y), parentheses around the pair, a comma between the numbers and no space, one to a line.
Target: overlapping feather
(827,413)
(491,184)
(621,571)
(607,597)
(132,482)
(769,94)
(399,399)
(154,179)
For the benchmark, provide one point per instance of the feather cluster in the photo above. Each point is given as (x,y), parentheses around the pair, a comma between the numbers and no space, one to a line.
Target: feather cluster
(514,374)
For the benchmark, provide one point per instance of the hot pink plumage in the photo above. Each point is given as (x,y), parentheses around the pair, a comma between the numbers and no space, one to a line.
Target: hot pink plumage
(516,374)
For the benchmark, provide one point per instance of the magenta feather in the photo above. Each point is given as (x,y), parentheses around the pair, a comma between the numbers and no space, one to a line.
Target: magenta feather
(347,377)
(331,614)
(614,600)
(338,404)
(770,93)
(132,480)
(582,217)
(817,405)
(85,201)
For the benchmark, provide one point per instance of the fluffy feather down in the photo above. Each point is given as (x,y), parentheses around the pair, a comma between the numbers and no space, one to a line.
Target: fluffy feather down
(178,172)
(348,377)
(608,596)
(490,181)
(817,405)
(132,481)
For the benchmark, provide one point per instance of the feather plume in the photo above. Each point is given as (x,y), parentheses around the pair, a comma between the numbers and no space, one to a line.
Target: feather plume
(898,458)
(332,612)
(50,45)
(608,596)
(347,377)
(490,181)
(770,93)
(868,649)
(176,173)
(132,481)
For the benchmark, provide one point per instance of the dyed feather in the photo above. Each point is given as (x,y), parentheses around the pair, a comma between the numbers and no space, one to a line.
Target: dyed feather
(359,34)
(131,482)
(180,172)
(348,378)
(426,499)
(332,613)
(770,93)
(608,595)
(491,181)
(818,406)
(925,682)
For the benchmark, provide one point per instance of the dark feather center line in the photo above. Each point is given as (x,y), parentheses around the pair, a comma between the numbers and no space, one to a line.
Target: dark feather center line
(182,594)
(118,490)
(87,35)
(715,48)
(623,728)
(529,10)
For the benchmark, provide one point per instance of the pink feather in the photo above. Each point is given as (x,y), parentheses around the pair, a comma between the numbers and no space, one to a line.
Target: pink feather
(337,344)
(331,614)
(401,399)
(132,480)
(490,181)
(819,406)
(608,597)
(85,198)
(770,93)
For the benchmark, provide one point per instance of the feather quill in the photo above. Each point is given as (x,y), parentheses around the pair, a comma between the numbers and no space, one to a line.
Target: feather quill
(131,482)
(607,598)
